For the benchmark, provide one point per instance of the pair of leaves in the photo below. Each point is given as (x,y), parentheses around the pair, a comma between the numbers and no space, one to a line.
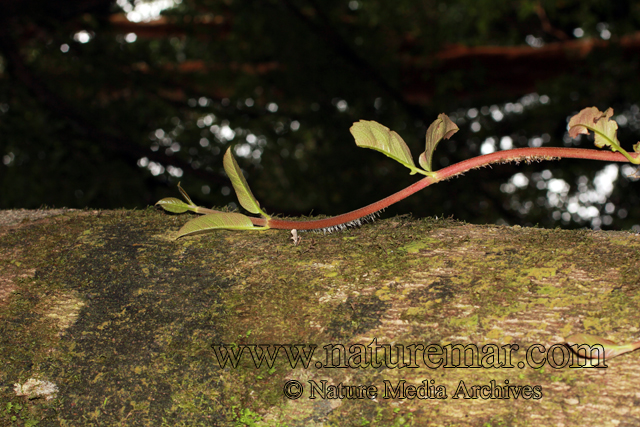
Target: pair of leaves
(373,135)
(604,130)
(173,205)
(594,120)
(245,196)
(219,220)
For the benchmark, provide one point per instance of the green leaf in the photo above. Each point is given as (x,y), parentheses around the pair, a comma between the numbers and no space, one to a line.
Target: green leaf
(185,195)
(441,128)
(227,221)
(603,128)
(174,205)
(373,135)
(611,349)
(171,204)
(592,119)
(245,196)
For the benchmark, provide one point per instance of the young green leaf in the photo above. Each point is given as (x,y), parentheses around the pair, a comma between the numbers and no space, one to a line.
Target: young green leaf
(441,128)
(171,204)
(611,349)
(592,119)
(174,205)
(603,128)
(245,196)
(185,195)
(223,220)
(370,134)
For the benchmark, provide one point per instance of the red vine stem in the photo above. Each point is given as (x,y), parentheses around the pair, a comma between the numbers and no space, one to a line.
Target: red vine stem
(515,155)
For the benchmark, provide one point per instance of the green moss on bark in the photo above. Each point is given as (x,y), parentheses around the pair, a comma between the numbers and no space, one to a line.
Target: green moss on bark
(121,317)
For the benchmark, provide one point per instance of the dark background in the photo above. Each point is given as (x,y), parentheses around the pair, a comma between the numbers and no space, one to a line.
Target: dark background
(102,112)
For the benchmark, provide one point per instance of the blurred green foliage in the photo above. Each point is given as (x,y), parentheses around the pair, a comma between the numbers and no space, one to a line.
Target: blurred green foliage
(98,111)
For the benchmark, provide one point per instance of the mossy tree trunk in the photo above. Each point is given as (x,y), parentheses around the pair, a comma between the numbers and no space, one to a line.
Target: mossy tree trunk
(123,318)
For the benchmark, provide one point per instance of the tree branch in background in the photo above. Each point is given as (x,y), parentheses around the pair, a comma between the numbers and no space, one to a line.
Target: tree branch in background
(514,69)
(207,25)
(546,24)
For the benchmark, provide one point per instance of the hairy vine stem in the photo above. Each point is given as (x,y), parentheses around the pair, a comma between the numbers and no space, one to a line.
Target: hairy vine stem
(516,155)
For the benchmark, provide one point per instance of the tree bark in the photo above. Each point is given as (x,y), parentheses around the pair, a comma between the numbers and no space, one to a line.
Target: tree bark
(126,321)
